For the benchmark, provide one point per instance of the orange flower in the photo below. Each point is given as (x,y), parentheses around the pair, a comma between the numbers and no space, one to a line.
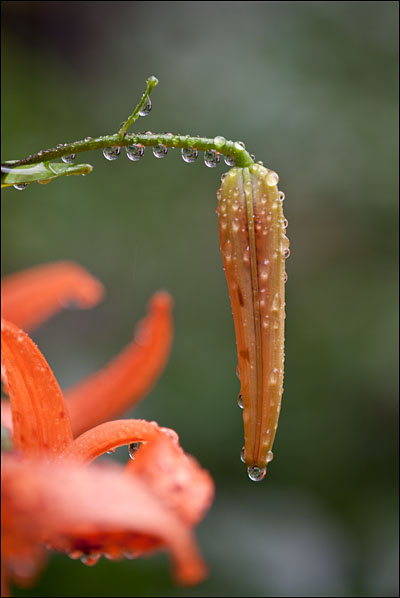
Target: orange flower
(50,496)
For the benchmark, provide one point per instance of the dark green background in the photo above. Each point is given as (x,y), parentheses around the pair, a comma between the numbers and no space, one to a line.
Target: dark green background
(311,88)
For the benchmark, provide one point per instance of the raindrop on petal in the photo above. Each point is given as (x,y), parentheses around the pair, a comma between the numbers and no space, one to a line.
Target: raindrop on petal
(90,559)
(20,186)
(240,401)
(133,447)
(242,455)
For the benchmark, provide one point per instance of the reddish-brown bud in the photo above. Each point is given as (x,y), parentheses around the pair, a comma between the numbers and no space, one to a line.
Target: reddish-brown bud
(254,247)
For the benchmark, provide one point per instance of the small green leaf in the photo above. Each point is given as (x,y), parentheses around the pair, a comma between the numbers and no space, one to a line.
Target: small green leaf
(41,172)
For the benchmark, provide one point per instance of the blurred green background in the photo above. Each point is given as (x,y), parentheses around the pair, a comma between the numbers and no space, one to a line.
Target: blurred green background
(311,88)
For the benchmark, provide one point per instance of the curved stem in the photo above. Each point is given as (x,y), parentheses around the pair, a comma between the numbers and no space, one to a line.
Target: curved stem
(220,144)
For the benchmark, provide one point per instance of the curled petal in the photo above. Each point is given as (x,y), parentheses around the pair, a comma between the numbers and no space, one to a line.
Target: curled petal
(40,419)
(110,435)
(176,478)
(32,296)
(128,377)
(89,510)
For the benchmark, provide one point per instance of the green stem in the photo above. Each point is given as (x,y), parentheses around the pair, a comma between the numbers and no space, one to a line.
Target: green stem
(220,144)
(150,85)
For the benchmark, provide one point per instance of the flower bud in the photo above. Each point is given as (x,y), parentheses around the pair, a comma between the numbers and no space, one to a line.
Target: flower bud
(254,247)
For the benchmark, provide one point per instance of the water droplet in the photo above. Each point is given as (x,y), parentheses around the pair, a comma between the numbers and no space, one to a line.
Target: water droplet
(252,156)
(90,559)
(270,456)
(239,146)
(227,249)
(75,554)
(145,109)
(68,159)
(219,141)
(276,303)
(111,153)
(211,158)
(238,371)
(256,474)
(272,178)
(111,451)
(281,194)
(285,223)
(160,150)
(285,277)
(189,154)
(134,152)
(240,401)
(229,160)
(273,379)
(242,455)
(285,246)
(20,186)
(88,138)
(133,447)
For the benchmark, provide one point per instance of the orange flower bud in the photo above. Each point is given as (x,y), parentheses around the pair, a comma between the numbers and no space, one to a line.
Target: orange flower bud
(254,247)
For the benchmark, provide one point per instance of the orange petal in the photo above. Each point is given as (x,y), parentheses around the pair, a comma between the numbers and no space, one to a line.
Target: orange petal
(128,377)
(34,295)
(110,435)
(39,415)
(92,510)
(175,477)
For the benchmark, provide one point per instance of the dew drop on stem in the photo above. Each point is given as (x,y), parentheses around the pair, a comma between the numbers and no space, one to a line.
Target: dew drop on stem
(134,152)
(189,154)
(145,109)
(68,159)
(229,160)
(211,158)
(160,150)
(111,153)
